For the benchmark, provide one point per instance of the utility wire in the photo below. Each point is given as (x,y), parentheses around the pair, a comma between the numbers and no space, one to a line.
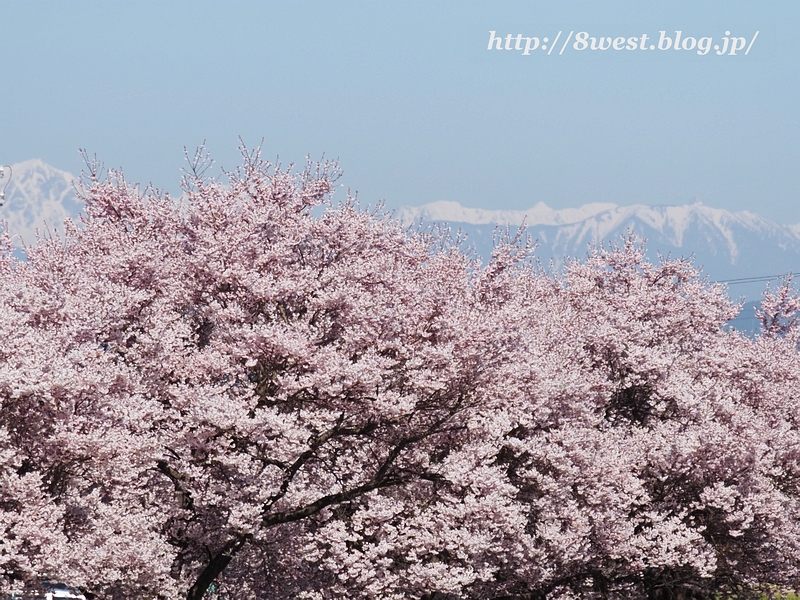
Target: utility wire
(752,279)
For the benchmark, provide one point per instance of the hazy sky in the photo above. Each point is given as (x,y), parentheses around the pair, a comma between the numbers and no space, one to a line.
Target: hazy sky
(408,98)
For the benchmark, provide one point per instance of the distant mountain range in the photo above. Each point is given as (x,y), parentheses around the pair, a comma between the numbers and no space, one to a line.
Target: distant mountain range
(728,246)
(38,198)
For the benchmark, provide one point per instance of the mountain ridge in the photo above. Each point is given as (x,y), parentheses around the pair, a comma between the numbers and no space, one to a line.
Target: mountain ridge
(727,245)
(595,222)
(603,219)
(39,198)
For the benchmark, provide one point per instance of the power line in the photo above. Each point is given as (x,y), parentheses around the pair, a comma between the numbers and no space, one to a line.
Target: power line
(753,279)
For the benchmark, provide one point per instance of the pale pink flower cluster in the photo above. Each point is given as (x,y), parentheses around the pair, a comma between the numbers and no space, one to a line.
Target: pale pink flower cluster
(259,389)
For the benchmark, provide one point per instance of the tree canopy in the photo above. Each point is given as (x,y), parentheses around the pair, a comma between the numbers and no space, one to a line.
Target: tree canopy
(255,391)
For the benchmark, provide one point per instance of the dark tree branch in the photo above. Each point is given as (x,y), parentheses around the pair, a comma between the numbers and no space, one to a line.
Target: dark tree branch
(314,445)
(178,480)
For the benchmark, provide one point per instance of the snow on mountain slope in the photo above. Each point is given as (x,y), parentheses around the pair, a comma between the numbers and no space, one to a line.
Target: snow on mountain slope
(541,214)
(689,228)
(724,244)
(39,197)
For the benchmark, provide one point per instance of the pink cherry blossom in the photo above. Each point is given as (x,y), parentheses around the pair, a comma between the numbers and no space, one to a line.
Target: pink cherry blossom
(255,391)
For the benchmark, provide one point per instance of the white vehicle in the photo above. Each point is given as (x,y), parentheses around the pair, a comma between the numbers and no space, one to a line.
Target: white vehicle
(59,590)
(46,591)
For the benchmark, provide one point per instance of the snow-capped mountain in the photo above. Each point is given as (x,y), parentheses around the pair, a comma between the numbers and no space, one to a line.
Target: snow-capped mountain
(726,245)
(38,197)
(541,214)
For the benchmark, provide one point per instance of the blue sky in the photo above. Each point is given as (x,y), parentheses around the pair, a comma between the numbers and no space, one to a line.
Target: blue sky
(408,98)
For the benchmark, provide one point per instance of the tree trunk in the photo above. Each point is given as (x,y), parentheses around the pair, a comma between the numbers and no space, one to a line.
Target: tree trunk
(214,568)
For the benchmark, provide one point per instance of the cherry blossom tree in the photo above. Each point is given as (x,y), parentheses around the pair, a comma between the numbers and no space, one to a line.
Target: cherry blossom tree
(643,452)
(253,391)
(206,373)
